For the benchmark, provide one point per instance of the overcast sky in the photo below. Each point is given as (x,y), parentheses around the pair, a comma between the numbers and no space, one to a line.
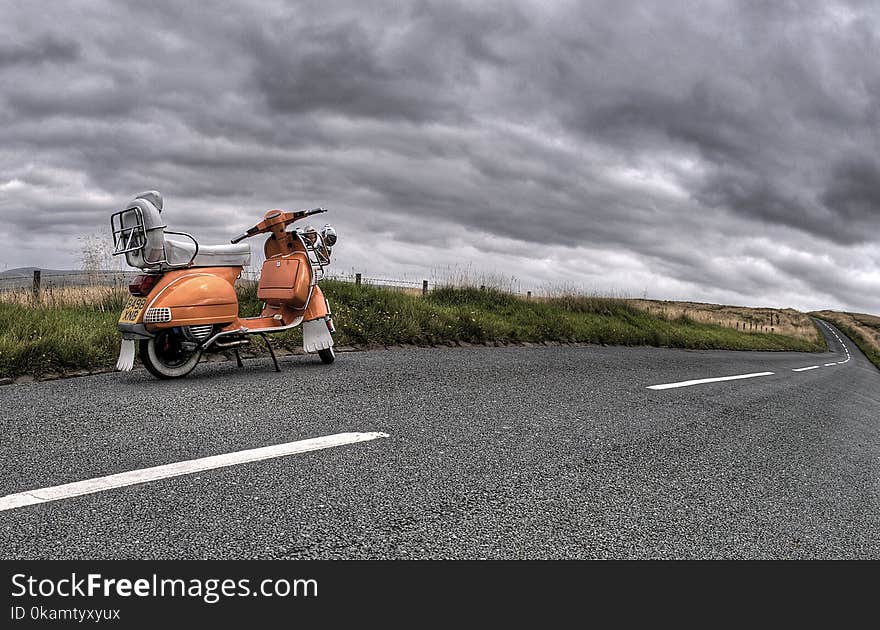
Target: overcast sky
(715,151)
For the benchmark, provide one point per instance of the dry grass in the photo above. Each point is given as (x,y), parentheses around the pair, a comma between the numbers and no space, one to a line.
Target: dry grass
(788,322)
(466,277)
(866,325)
(54,297)
(862,328)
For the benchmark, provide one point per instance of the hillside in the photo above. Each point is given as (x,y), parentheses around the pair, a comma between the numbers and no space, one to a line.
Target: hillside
(862,328)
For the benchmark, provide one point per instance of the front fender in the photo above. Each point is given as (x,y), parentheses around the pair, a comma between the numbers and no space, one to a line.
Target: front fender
(318,306)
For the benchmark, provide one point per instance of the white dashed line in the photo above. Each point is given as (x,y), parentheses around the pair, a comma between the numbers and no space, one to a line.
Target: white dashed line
(845,348)
(143,475)
(757,374)
(709,380)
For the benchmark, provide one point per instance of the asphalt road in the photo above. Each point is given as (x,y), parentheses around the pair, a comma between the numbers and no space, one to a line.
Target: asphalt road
(517,452)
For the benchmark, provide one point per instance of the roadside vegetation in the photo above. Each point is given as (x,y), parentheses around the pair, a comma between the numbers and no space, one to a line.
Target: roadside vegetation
(67,330)
(864,330)
(74,329)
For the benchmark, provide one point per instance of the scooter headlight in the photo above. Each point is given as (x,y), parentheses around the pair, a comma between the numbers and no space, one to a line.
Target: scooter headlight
(328,233)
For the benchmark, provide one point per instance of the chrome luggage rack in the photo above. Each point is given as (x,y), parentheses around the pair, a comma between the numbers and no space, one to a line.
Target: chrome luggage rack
(132,238)
(317,251)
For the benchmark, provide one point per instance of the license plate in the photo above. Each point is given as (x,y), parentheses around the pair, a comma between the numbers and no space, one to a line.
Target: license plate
(132,311)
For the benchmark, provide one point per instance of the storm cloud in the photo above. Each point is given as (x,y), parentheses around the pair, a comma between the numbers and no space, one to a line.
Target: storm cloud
(723,151)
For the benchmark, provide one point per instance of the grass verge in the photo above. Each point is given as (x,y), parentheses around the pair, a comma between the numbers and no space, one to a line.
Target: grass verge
(59,338)
(863,330)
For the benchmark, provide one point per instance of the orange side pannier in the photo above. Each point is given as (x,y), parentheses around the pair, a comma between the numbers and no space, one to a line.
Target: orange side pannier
(286,279)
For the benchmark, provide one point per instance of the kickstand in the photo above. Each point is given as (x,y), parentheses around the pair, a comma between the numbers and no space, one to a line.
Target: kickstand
(271,351)
(238,358)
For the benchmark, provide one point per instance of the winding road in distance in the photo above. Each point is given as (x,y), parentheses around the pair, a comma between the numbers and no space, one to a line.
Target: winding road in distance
(516,452)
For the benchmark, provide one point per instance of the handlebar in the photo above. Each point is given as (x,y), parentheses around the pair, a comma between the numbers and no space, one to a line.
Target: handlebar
(250,232)
(290,218)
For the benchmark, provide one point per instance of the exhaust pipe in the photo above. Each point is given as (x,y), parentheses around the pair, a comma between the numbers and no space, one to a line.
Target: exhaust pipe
(225,345)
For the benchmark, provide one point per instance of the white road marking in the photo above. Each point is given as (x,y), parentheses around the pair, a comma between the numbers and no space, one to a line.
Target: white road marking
(845,348)
(742,376)
(130,478)
(709,380)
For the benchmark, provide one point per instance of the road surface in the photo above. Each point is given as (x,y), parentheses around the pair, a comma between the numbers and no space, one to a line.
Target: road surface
(516,452)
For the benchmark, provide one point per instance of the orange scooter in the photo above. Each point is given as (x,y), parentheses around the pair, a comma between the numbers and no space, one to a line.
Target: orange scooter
(185,303)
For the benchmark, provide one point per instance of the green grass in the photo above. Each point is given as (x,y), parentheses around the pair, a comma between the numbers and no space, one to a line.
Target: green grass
(373,316)
(62,339)
(58,338)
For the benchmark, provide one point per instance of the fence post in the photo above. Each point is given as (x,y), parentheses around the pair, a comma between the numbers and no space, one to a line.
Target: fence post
(528,295)
(424,287)
(36,284)
(357,279)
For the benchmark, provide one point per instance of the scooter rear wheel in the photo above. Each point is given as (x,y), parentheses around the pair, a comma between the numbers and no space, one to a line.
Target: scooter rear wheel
(164,357)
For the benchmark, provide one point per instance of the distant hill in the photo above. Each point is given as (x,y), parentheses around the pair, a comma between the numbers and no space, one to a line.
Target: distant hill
(26,272)
(862,328)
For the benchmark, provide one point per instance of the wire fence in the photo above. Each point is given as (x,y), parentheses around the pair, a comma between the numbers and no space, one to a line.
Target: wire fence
(62,287)
(407,286)
(43,279)
(37,280)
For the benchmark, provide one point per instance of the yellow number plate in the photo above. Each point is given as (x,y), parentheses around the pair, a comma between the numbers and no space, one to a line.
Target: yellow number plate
(132,310)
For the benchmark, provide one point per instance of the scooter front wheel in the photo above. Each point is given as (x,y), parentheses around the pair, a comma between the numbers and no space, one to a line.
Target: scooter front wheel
(327,355)
(164,356)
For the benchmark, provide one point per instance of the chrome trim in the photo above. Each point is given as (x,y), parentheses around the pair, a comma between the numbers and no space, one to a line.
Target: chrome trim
(192,258)
(244,330)
(224,345)
(157,315)
(308,299)
(198,332)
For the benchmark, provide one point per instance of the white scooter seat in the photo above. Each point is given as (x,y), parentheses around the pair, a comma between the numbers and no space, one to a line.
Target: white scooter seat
(179,253)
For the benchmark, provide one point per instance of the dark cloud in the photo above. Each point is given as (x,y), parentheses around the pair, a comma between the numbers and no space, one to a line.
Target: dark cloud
(419,69)
(726,151)
(854,190)
(339,69)
(45,49)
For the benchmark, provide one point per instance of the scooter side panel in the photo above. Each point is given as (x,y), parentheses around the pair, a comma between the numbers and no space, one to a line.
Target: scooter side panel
(196,296)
